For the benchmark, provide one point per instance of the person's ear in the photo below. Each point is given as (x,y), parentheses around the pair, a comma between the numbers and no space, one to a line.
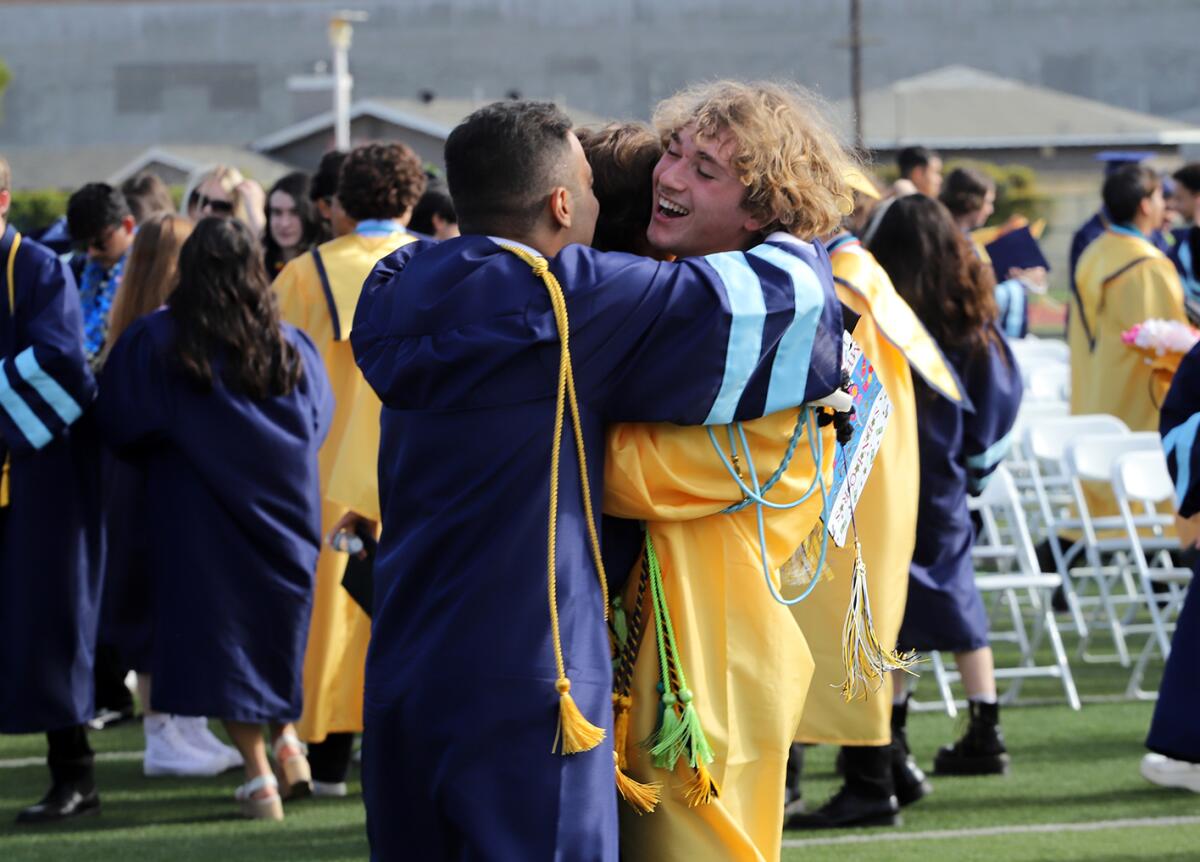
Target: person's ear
(5,202)
(562,207)
(128,224)
(753,224)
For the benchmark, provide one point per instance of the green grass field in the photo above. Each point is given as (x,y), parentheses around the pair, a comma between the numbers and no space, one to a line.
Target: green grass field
(1068,768)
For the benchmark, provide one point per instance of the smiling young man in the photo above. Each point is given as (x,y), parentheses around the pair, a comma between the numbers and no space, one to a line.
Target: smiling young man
(471,669)
(750,176)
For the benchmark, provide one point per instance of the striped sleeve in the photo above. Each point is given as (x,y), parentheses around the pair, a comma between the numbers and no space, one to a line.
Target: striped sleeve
(45,381)
(710,340)
(994,387)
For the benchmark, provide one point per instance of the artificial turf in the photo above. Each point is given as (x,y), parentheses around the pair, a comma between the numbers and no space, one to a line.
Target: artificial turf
(1068,767)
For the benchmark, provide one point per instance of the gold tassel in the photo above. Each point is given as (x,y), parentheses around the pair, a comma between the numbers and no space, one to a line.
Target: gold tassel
(864,658)
(701,788)
(575,732)
(621,706)
(643,798)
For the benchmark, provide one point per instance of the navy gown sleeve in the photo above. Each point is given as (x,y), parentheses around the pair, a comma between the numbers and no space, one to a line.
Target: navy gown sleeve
(135,395)
(994,387)
(1179,425)
(45,381)
(315,381)
(755,332)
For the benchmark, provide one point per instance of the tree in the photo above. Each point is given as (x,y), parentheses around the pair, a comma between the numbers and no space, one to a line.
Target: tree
(5,77)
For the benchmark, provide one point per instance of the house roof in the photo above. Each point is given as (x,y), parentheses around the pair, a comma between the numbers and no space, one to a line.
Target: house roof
(959,107)
(435,118)
(189,157)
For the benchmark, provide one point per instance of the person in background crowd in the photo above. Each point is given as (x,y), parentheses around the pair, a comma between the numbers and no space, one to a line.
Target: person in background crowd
(323,188)
(921,167)
(377,188)
(225,408)
(175,745)
(880,774)
(1122,280)
(1186,252)
(102,225)
(293,223)
(433,216)
(1113,160)
(146,195)
(51,548)
(970,195)
(222,191)
(936,272)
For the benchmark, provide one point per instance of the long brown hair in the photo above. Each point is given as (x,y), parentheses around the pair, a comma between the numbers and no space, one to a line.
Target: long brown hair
(224,308)
(151,272)
(937,272)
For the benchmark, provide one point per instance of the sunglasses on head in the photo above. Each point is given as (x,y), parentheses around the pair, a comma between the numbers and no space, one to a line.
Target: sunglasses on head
(224,207)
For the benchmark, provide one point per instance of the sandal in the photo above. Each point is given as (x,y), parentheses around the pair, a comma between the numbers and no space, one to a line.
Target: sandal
(268,807)
(293,767)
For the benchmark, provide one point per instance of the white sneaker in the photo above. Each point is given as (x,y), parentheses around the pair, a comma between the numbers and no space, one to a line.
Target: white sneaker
(194,730)
(333,789)
(1166,772)
(168,753)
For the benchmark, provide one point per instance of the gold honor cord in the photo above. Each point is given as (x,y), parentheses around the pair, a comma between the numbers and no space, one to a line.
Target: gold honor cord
(10,272)
(575,732)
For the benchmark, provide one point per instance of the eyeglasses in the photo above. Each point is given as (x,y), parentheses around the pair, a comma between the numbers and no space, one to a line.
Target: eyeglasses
(204,202)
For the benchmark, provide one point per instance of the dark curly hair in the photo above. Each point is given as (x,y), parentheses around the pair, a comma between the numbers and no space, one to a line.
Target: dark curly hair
(938,273)
(225,312)
(622,156)
(380,181)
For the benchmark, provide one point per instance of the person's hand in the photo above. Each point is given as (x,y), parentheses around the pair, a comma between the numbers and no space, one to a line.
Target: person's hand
(352,522)
(1188,530)
(1033,278)
(255,198)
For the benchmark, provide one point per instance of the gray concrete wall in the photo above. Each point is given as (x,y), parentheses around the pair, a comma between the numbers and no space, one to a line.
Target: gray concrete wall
(89,73)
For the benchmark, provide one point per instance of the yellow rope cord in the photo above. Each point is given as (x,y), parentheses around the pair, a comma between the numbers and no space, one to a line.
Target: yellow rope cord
(10,272)
(575,732)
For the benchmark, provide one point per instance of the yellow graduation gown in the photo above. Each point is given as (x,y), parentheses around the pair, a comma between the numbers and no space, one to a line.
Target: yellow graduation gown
(743,655)
(335,661)
(1121,280)
(891,337)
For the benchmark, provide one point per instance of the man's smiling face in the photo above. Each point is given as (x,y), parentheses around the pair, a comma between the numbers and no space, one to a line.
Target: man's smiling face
(698,205)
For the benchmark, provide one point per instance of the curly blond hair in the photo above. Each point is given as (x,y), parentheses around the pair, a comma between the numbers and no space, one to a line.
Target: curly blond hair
(788,157)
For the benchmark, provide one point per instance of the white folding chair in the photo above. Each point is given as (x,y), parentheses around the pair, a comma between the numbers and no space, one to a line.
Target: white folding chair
(1048,381)
(1007,568)
(1142,479)
(1032,351)
(1091,459)
(1043,448)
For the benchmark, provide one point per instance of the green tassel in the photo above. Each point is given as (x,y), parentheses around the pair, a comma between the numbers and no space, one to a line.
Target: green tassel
(668,743)
(695,742)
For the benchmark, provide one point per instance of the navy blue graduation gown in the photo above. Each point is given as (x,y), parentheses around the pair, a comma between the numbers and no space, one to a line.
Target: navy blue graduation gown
(460,344)
(232,523)
(50,540)
(1175,729)
(960,448)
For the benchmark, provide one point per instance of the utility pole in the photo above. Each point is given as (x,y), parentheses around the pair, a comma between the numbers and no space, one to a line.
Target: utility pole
(856,43)
(341,33)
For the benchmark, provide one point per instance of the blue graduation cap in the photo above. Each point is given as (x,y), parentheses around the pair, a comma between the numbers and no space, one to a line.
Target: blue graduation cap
(1114,160)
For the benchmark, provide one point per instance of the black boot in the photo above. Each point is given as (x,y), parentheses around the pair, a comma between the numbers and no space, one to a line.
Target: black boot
(793,803)
(907,778)
(73,788)
(866,798)
(981,749)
